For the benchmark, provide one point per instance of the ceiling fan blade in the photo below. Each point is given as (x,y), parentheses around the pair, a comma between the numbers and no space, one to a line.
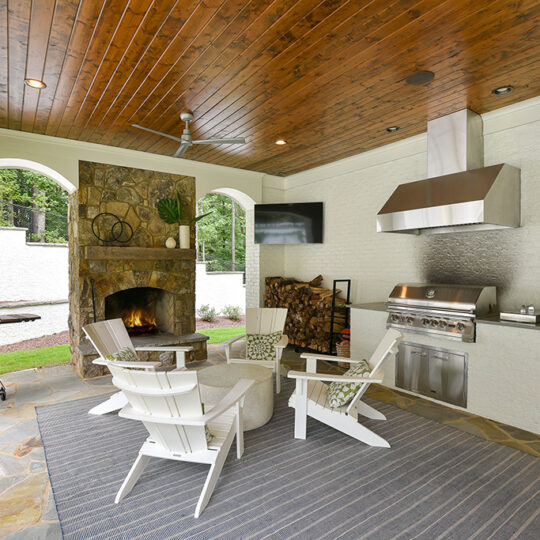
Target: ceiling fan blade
(177,139)
(182,149)
(238,140)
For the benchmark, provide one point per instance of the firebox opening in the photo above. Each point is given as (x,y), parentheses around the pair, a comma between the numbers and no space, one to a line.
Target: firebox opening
(144,310)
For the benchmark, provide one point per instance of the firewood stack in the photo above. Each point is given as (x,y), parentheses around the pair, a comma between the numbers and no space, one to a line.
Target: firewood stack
(309,310)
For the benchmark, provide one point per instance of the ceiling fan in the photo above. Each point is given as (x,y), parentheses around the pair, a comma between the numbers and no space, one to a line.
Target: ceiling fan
(186,140)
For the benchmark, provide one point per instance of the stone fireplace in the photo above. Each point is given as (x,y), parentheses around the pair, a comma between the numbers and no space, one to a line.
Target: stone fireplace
(150,287)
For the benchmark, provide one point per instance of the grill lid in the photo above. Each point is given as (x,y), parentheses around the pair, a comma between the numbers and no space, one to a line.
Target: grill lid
(475,299)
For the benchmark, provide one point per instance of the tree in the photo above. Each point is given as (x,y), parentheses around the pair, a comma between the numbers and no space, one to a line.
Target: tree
(215,233)
(40,195)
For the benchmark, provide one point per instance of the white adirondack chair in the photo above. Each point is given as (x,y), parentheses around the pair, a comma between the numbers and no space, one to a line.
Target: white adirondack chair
(310,396)
(169,405)
(262,321)
(109,337)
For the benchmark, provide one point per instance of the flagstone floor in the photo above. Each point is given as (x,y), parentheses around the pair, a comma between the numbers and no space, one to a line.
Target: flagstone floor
(27,509)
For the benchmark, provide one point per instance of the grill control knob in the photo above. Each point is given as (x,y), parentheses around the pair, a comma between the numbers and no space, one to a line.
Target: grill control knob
(410,320)
(425,322)
(442,324)
(460,327)
(395,318)
(434,323)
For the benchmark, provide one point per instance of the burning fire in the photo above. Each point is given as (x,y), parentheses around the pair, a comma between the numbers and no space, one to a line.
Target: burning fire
(138,318)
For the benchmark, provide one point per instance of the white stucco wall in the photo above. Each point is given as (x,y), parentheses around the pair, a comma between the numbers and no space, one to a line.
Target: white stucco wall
(219,289)
(31,271)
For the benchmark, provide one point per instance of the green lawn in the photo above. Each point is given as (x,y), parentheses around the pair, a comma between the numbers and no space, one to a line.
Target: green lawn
(15,361)
(217,335)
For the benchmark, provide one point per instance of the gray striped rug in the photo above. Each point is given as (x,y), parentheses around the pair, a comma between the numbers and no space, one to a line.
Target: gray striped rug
(435,482)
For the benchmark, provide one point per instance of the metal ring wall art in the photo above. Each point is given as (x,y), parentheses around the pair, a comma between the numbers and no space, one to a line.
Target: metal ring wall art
(109,228)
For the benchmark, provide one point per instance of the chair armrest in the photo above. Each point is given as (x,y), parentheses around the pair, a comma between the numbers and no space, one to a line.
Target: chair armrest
(230,341)
(166,348)
(237,392)
(227,345)
(330,378)
(330,358)
(135,365)
(282,343)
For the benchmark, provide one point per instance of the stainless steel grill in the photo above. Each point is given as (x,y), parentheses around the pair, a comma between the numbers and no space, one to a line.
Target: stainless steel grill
(448,311)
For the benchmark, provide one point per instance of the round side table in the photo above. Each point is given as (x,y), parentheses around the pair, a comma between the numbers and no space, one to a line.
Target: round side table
(216,381)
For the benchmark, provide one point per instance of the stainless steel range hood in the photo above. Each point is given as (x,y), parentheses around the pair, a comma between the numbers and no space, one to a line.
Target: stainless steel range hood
(457,196)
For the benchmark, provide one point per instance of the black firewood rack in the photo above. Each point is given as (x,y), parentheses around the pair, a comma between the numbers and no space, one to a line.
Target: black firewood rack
(334,308)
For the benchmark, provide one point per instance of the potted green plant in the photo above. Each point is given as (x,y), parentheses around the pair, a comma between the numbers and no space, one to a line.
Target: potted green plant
(172,211)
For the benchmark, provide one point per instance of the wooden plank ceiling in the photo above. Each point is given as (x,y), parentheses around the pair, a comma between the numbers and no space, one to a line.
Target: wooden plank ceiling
(326,76)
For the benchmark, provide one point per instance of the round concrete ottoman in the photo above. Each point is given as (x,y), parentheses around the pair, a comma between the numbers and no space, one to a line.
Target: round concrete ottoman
(216,381)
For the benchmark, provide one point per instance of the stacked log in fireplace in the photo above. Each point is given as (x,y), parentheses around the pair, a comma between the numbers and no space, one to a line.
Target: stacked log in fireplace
(309,310)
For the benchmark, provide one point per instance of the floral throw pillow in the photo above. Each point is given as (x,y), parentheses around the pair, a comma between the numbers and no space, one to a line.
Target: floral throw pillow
(261,346)
(340,394)
(123,355)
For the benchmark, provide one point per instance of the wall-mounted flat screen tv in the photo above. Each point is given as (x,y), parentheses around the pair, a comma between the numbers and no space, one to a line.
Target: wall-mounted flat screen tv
(290,223)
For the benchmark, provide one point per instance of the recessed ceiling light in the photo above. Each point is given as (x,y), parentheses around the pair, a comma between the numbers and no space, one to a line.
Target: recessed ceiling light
(420,77)
(502,90)
(35,83)
(392,129)
(281,141)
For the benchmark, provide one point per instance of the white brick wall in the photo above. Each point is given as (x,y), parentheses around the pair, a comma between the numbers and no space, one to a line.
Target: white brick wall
(252,263)
(355,189)
(351,247)
(271,257)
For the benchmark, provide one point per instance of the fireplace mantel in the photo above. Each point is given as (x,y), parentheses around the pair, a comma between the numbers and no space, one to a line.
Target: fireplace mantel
(106,253)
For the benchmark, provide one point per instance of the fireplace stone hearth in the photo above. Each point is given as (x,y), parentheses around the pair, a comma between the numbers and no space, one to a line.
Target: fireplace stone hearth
(105,277)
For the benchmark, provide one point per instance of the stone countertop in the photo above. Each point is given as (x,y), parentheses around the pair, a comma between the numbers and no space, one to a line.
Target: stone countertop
(496,321)
(372,306)
(381,306)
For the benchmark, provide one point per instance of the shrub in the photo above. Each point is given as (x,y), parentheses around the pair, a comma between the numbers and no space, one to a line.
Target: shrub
(54,237)
(232,312)
(207,313)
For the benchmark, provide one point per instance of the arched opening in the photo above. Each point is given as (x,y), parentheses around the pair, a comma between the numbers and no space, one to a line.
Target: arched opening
(33,265)
(252,279)
(231,224)
(26,164)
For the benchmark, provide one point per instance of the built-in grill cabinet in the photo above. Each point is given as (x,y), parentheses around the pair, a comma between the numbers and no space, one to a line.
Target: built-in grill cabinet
(432,372)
